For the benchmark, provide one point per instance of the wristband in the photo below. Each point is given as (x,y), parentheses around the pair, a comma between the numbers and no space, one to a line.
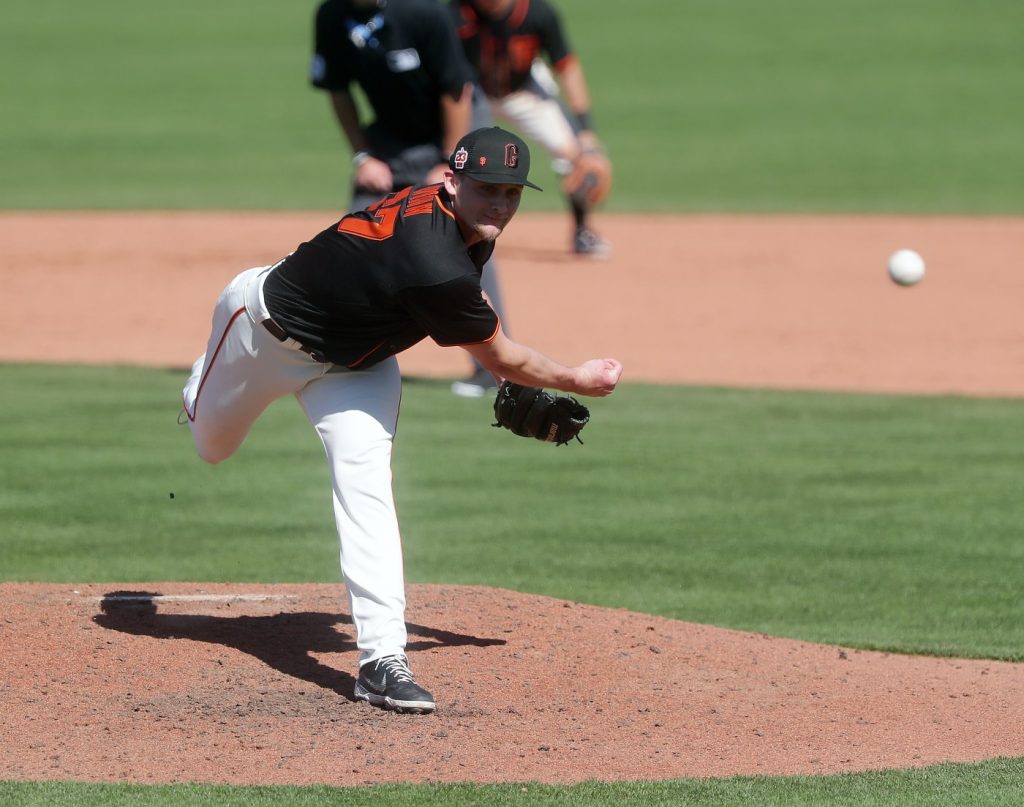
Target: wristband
(359,158)
(586,124)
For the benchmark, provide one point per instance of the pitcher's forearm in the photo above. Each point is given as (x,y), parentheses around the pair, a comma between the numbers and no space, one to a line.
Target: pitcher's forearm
(524,365)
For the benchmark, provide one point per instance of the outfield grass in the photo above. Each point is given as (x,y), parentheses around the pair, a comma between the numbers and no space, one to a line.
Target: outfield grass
(867,521)
(997,783)
(737,105)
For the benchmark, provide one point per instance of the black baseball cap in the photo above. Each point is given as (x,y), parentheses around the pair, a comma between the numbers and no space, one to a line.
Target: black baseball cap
(492,155)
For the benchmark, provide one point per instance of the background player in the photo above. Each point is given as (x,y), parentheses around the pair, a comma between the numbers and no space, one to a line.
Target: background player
(324,324)
(405,57)
(502,40)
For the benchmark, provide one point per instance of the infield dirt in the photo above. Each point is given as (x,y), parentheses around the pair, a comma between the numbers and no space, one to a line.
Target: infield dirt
(761,301)
(211,684)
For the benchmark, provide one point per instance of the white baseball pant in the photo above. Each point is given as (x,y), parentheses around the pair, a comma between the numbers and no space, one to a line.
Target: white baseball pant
(245,368)
(536,111)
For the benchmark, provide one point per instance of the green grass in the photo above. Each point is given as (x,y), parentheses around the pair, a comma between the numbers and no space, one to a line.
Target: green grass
(737,105)
(867,521)
(997,783)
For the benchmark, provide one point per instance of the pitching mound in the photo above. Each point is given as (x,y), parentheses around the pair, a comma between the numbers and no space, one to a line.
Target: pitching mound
(251,684)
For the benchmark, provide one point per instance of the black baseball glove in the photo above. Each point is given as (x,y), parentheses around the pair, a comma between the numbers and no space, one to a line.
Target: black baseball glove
(532,412)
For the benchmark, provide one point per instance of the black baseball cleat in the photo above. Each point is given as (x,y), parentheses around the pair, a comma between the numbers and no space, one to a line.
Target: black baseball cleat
(589,244)
(388,683)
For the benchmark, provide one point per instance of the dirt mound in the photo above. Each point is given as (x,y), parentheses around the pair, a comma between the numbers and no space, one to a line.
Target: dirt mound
(252,684)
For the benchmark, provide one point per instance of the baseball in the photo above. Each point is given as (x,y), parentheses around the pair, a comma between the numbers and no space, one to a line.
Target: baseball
(906,267)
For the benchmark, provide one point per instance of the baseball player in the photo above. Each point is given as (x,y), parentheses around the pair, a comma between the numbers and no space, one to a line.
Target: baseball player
(407,61)
(325,324)
(504,40)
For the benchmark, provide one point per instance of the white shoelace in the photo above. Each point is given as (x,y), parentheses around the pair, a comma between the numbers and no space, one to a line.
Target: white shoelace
(398,666)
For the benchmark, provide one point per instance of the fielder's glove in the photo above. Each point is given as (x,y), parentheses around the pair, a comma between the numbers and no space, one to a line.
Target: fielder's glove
(532,412)
(590,180)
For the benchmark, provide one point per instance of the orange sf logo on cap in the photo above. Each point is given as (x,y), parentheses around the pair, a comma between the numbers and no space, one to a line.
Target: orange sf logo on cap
(483,161)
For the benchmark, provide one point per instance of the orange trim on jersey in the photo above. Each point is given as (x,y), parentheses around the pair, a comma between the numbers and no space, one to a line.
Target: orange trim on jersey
(365,356)
(486,341)
(444,209)
(566,61)
(209,366)
(493,336)
(515,19)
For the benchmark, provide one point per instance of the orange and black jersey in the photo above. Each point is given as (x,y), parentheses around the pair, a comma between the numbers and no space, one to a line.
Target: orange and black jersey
(503,50)
(404,55)
(382,279)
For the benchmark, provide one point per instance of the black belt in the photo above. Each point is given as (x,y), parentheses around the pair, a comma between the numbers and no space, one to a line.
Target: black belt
(278,333)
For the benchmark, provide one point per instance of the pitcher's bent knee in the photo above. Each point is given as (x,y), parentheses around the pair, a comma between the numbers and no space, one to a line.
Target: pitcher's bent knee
(211,457)
(211,450)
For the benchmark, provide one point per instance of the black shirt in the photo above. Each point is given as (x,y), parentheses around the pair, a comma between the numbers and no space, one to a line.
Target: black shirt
(404,56)
(382,279)
(502,50)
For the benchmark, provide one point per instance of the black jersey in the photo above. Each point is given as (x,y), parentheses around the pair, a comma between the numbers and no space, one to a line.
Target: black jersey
(502,50)
(404,56)
(382,279)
